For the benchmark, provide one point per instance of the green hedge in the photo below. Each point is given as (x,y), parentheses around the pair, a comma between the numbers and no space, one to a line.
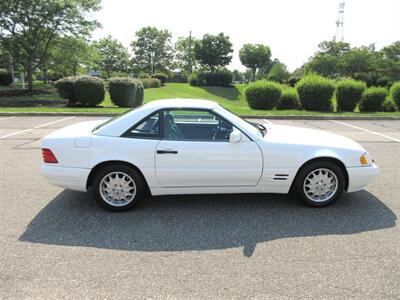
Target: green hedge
(150,83)
(263,94)
(65,87)
(89,90)
(372,99)
(389,105)
(289,100)
(162,77)
(348,94)
(395,93)
(5,77)
(315,93)
(124,92)
(221,77)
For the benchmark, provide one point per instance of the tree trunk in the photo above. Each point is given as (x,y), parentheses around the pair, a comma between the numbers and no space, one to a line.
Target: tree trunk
(254,74)
(29,74)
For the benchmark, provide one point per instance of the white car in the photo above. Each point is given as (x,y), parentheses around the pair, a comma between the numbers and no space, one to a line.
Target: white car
(198,147)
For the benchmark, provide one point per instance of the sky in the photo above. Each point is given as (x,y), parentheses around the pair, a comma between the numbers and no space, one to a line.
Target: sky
(291,28)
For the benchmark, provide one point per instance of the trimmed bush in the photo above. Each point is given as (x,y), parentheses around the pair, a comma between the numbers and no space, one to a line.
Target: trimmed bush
(150,83)
(65,88)
(89,90)
(293,80)
(315,93)
(5,77)
(263,94)
(348,94)
(178,78)
(372,99)
(395,93)
(289,100)
(389,105)
(123,92)
(383,81)
(222,77)
(162,77)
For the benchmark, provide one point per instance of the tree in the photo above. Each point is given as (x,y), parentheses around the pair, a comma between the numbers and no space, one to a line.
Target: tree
(213,51)
(182,53)
(112,55)
(278,73)
(255,56)
(29,26)
(358,60)
(152,50)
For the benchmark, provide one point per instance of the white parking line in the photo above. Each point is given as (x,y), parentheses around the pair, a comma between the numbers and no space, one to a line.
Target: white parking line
(8,118)
(36,127)
(267,122)
(366,130)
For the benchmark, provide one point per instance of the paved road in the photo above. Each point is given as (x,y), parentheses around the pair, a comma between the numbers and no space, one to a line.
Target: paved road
(56,243)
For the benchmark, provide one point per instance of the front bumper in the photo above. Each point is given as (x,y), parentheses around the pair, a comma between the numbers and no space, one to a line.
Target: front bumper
(69,178)
(361,176)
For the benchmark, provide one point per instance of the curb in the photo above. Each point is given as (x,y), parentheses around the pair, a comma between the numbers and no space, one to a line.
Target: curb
(289,117)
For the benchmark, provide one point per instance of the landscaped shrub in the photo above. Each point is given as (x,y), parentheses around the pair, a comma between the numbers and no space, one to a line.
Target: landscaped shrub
(372,99)
(293,80)
(289,100)
(315,93)
(124,92)
(5,77)
(65,88)
(389,105)
(383,81)
(263,94)
(89,90)
(348,94)
(162,77)
(178,78)
(150,83)
(395,93)
(222,77)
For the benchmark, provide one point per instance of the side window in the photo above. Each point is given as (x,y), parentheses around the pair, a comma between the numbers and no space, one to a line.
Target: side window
(148,128)
(195,125)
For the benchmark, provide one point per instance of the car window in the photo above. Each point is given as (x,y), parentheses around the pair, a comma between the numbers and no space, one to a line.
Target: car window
(195,125)
(149,127)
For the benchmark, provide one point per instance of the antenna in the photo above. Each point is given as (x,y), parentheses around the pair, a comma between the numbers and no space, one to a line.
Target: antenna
(339,23)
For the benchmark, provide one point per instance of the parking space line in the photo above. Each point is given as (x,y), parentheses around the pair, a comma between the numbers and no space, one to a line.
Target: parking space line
(8,118)
(366,130)
(36,127)
(267,122)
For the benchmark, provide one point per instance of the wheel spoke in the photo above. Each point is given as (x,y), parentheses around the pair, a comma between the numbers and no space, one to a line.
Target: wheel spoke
(117,189)
(320,184)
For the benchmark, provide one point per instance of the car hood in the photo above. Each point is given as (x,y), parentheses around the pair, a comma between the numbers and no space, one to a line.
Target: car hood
(309,137)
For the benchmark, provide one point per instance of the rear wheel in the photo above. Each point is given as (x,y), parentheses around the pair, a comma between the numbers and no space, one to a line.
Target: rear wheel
(320,183)
(118,187)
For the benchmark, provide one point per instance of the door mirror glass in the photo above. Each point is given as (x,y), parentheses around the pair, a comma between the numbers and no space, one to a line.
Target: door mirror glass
(235,136)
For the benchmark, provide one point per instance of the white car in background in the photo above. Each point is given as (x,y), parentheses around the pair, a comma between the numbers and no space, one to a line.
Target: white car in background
(198,147)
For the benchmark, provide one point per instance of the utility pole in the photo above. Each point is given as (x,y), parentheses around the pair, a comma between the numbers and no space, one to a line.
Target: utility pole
(190,54)
(152,54)
(339,23)
(12,71)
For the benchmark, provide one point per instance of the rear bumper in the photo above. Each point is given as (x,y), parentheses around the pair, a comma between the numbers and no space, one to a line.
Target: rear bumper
(361,176)
(69,178)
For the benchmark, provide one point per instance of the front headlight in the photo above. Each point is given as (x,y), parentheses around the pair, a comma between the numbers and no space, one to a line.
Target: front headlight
(366,159)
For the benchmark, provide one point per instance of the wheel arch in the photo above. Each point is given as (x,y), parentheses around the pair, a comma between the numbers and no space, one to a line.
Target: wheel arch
(334,160)
(103,164)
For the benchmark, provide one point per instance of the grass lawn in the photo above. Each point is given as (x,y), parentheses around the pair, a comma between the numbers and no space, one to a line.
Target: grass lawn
(231,98)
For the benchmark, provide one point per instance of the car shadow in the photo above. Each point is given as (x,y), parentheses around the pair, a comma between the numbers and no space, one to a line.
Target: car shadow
(201,222)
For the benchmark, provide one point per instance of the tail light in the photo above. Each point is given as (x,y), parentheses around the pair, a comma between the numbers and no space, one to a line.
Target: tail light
(48,156)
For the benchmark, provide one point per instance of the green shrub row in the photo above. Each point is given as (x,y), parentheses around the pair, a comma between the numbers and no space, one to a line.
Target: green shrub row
(222,77)
(126,92)
(315,93)
(5,77)
(150,82)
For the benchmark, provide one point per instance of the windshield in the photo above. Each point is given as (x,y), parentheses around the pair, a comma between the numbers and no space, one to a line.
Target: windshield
(114,118)
(255,128)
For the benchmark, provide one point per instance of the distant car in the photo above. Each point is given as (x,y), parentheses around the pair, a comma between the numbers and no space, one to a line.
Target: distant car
(198,147)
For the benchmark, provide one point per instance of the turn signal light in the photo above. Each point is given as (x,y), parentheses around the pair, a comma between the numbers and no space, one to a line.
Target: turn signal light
(48,156)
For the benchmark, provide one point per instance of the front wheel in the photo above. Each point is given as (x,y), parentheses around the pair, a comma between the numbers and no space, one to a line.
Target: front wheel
(320,183)
(117,187)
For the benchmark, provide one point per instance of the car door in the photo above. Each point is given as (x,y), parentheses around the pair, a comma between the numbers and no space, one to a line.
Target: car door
(195,152)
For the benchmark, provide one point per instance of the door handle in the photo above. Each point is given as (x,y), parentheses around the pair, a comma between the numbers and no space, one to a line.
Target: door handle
(167,152)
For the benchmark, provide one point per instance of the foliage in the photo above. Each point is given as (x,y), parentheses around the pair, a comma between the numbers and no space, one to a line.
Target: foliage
(65,88)
(348,94)
(213,51)
(372,99)
(162,77)
(315,93)
(395,93)
(278,73)
(383,81)
(293,80)
(152,45)
(263,94)
(178,77)
(255,56)
(222,77)
(124,92)
(112,55)
(389,105)
(150,83)
(238,76)
(289,100)
(5,77)
(29,27)
(183,52)
(89,90)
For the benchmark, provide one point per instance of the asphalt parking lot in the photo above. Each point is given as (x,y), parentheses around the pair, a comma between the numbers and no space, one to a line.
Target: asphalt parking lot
(56,243)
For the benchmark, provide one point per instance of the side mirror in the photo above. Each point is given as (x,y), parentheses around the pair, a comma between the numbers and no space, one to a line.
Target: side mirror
(235,136)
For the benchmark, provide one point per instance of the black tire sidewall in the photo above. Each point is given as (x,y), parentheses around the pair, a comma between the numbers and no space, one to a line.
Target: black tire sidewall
(307,170)
(140,186)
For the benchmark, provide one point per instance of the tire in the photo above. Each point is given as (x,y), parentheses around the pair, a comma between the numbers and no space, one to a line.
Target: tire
(124,189)
(312,191)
